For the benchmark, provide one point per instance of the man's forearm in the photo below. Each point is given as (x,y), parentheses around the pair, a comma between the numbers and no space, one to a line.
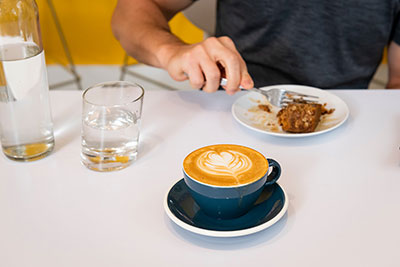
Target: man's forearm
(141,27)
(394,66)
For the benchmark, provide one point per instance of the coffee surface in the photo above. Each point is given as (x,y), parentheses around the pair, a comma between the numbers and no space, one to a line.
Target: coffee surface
(225,165)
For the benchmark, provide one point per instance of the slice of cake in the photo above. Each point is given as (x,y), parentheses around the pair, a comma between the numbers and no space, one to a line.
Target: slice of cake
(298,117)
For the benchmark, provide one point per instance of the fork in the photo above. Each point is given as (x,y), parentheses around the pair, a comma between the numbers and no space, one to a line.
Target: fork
(279,97)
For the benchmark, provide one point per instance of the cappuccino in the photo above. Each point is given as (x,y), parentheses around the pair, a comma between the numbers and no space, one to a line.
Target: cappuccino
(225,165)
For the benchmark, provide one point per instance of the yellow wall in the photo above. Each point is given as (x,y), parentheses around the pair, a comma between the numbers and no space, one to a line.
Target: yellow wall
(86,25)
(87,28)
(384,61)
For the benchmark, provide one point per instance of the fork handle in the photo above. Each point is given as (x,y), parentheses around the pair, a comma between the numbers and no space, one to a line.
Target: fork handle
(258,90)
(224,81)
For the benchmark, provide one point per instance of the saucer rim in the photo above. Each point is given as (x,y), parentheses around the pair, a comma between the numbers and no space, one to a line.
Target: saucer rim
(216,233)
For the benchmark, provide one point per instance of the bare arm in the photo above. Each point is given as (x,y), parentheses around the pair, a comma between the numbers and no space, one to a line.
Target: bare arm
(142,28)
(394,66)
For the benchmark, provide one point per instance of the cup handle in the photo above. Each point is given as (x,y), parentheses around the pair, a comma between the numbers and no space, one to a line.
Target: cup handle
(275,173)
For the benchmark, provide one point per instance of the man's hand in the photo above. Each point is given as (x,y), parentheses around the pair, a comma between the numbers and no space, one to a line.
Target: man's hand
(199,63)
(394,66)
(142,28)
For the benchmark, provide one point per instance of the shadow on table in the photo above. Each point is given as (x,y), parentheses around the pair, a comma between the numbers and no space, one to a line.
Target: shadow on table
(220,100)
(335,134)
(230,243)
(67,126)
(149,141)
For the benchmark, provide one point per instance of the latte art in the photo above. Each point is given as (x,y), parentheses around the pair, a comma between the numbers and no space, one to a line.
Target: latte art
(225,165)
(227,162)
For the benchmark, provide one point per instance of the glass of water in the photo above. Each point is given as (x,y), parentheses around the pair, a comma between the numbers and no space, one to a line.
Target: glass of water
(111,118)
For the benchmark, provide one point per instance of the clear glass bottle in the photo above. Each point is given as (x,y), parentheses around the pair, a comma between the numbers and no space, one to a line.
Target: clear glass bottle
(26,128)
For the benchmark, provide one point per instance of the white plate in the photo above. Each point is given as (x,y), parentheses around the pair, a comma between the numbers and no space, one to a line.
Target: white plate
(246,111)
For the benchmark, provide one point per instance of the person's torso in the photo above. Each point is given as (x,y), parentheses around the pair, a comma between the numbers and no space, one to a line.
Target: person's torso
(327,44)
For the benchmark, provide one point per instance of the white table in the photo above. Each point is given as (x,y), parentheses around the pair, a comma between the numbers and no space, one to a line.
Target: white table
(343,186)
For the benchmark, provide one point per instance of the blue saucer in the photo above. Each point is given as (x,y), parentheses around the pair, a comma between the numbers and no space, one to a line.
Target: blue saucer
(268,209)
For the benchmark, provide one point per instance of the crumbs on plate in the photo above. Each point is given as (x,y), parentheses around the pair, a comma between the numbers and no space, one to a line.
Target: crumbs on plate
(267,117)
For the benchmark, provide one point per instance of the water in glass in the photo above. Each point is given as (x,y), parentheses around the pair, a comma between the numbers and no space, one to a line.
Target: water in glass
(110,129)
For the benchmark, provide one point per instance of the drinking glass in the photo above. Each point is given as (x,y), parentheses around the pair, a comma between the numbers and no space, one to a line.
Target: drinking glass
(111,118)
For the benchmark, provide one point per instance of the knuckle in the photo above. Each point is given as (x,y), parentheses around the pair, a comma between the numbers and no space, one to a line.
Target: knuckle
(211,40)
(226,39)
(231,57)
(197,51)
(187,54)
(196,83)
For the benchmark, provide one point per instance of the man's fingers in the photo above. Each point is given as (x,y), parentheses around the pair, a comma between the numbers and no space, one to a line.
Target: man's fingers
(200,63)
(229,60)
(212,75)
(245,79)
(196,77)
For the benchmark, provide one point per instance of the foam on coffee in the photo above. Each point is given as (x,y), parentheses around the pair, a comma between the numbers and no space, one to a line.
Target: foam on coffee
(225,165)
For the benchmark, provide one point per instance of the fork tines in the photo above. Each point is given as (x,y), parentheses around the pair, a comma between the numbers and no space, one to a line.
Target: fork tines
(291,97)
(296,94)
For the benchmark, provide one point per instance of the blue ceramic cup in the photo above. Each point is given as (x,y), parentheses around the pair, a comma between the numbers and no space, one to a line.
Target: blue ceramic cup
(227,202)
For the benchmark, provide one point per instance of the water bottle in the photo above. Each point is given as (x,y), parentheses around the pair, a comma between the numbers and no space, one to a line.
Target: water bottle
(26,128)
